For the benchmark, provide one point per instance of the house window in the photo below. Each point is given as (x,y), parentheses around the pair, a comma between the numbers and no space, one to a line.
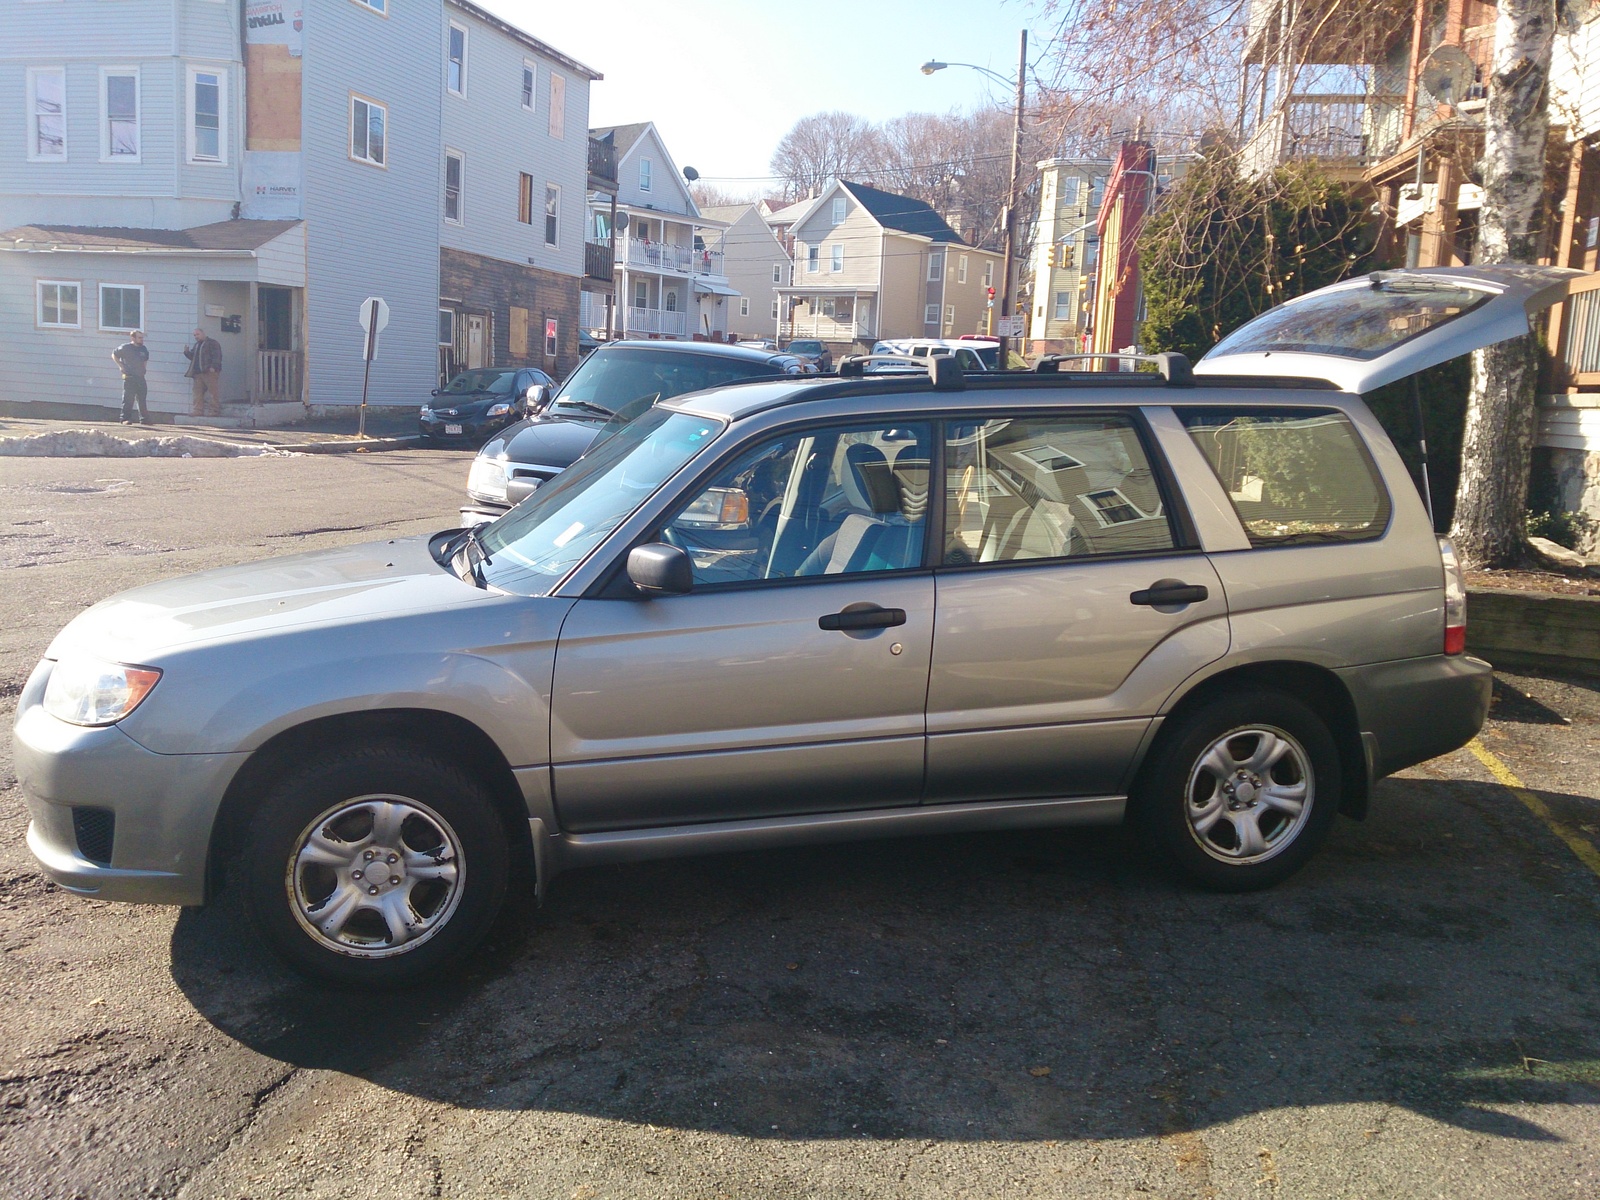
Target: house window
(935,266)
(452,186)
(1069,191)
(837,259)
(368,132)
(644,174)
(950,316)
(670,301)
(813,260)
(119,114)
(1063,306)
(988,274)
(528,75)
(838,210)
(744,306)
(455,72)
(641,293)
(377,6)
(447,327)
(208,116)
(558,106)
(777,272)
(550,338)
(774,310)
(930,314)
(58,304)
(47,113)
(961,269)
(121,306)
(827,306)
(525,199)
(1097,191)
(552,212)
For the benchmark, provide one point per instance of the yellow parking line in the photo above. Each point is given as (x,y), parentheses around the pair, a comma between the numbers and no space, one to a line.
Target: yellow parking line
(1579,844)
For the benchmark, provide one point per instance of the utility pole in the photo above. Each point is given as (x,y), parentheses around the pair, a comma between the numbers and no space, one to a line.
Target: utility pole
(1011,206)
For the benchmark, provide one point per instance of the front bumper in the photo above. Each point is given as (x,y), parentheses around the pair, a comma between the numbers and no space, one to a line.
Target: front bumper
(1415,709)
(472,428)
(164,805)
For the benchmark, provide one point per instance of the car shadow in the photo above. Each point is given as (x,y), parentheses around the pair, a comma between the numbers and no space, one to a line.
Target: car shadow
(1023,986)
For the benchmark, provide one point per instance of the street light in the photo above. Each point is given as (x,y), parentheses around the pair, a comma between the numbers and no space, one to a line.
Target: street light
(928,68)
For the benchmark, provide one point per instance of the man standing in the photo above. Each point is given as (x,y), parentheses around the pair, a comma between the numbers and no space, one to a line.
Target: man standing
(131,358)
(205,368)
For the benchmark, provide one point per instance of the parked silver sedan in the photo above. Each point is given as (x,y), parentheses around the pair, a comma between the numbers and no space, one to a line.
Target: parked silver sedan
(800,610)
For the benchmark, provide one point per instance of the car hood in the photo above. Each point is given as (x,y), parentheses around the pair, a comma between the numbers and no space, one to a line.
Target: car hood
(349,584)
(544,441)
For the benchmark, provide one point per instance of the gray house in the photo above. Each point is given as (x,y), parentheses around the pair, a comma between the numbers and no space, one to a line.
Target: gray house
(755,264)
(257,168)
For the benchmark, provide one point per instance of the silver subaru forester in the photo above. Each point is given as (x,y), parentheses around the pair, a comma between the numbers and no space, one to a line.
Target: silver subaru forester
(1208,602)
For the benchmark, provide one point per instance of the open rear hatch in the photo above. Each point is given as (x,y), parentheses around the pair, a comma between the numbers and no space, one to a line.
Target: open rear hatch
(1366,332)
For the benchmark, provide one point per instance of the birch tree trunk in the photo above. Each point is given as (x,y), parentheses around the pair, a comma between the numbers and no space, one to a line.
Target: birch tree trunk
(1497,446)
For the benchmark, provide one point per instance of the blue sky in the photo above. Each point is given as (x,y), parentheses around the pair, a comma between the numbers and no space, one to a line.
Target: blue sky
(725,79)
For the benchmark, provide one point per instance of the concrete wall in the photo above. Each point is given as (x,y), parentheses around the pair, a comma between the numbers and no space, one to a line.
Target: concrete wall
(372,231)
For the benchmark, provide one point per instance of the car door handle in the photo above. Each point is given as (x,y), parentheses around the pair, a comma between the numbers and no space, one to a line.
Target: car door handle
(863,618)
(1170,591)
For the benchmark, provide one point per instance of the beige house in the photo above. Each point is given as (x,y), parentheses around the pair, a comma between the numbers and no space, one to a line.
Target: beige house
(870,264)
(755,264)
(1066,245)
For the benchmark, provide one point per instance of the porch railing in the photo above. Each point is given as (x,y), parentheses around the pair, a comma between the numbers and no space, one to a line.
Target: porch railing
(660,256)
(278,375)
(1354,127)
(603,160)
(597,260)
(658,320)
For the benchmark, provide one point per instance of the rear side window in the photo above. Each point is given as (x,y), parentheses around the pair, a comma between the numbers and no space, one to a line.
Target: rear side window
(1293,475)
(1049,487)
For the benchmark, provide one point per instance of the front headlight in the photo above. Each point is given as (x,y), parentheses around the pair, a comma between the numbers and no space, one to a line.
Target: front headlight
(427,411)
(86,691)
(487,479)
(498,410)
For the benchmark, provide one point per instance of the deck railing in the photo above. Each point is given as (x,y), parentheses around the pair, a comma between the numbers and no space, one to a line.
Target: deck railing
(278,375)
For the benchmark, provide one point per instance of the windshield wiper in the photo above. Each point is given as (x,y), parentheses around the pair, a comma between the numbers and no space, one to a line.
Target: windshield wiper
(599,410)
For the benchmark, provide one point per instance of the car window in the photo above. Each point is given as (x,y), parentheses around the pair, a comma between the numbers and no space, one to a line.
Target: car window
(1293,475)
(823,502)
(1360,323)
(480,380)
(1049,487)
(612,376)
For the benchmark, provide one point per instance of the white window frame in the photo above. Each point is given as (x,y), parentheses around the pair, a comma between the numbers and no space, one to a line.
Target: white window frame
(961,269)
(549,189)
(461,183)
(33,114)
(641,301)
(105,115)
(744,306)
(38,303)
(450,60)
(530,85)
(192,78)
(777,273)
(383,163)
(100,308)
(813,259)
(988,274)
(949,317)
(646,169)
(930,314)
(839,210)
(1063,309)
(936,266)
(381,7)
(451,313)
(774,308)
(1069,191)
(835,259)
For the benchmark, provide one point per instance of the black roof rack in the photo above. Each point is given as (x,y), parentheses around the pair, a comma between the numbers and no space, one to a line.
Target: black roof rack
(1174,368)
(942,369)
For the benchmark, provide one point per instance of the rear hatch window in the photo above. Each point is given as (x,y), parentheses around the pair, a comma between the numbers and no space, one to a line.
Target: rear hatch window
(1354,323)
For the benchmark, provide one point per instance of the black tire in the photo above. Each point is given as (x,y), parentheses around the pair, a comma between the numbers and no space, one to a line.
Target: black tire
(1182,810)
(442,851)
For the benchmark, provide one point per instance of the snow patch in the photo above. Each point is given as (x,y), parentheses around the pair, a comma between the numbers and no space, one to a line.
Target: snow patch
(96,443)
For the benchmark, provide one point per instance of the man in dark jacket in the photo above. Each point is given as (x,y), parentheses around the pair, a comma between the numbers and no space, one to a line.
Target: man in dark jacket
(131,358)
(205,368)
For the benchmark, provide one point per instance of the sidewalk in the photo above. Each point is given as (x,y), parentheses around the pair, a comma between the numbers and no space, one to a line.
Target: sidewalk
(387,429)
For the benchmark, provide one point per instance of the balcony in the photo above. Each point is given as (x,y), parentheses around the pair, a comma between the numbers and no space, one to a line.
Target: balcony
(597,261)
(1355,129)
(657,321)
(657,256)
(602,163)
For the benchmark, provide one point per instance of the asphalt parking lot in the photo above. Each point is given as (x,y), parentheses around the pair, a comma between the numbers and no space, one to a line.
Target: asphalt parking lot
(1042,1014)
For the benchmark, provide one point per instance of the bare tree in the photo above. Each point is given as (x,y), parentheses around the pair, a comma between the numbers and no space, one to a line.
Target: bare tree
(822,147)
(710,195)
(1497,449)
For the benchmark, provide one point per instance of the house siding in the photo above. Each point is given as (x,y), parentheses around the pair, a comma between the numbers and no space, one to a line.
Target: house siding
(478,283)
(858,233)
(901,297)
(391,249)
(750,250)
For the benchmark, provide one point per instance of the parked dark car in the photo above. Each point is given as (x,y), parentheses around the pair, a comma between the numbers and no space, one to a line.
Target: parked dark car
(480,401)
(613,384)
(812,351)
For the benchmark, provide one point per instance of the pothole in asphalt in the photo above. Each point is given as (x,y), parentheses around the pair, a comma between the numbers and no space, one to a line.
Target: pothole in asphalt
(98,487)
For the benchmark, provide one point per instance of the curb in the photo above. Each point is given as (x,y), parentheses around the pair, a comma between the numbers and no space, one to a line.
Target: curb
(351,446)
(1543,630)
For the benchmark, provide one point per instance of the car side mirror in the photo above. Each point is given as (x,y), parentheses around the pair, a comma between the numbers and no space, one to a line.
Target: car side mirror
(436,392)
(537,396)
(658,569)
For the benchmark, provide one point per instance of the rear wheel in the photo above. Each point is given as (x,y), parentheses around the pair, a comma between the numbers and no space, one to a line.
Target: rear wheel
(375,865)
(1239,794)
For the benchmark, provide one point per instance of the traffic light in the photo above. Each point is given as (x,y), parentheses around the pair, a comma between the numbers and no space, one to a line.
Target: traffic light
(1064,255)
(1050,256)
(991,293)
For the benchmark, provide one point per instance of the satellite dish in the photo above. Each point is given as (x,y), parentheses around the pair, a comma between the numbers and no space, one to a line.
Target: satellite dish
(622,222)
(1447,74)
(691,174)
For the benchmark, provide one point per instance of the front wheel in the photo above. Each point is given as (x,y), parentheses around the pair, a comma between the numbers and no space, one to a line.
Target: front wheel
(375,865)
(1239,794)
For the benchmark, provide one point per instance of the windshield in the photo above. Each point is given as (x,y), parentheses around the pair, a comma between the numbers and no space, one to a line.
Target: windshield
(532,547)
(616,375)
(805,347)
(1360,323)
(488,380)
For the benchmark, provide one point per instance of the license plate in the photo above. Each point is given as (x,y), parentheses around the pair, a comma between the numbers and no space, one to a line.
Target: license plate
(452,429)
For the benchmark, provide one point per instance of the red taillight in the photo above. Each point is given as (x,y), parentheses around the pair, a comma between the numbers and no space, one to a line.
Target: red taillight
(1455,600)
